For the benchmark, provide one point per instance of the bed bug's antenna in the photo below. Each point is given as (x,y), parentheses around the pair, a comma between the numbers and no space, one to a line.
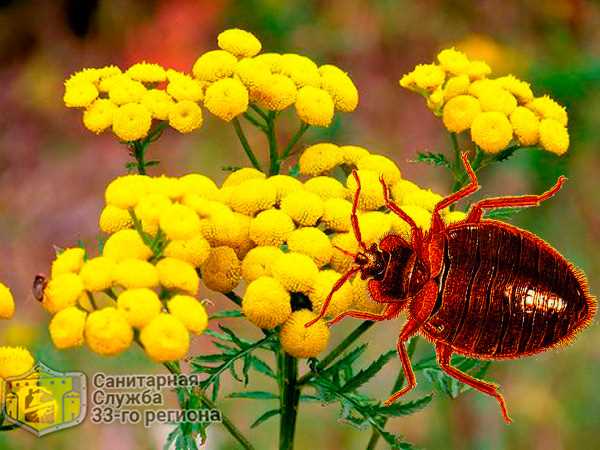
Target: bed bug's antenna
(354,216)
(357,234)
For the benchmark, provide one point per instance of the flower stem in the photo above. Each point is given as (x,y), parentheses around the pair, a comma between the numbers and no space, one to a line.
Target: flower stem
(303,127)
(138,151)
(240,133)
(273,154)
(337,351)
(289,399)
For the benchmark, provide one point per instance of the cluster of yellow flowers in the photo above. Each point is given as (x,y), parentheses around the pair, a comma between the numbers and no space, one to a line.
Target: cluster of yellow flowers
(294,229)
(145,280)
(496,110)
(7,302)
(224,81)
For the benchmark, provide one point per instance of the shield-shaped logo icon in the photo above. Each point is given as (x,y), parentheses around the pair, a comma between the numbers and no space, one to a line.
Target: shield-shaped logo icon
(43,400)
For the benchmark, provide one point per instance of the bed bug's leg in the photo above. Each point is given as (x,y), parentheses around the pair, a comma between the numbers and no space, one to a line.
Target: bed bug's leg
(463,192)
(409,329)
(354,216)
(390,311)
(444,352)
(513,202)
(416,232)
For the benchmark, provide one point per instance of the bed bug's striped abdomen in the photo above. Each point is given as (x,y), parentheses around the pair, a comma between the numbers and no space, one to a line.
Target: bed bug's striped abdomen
(505,293)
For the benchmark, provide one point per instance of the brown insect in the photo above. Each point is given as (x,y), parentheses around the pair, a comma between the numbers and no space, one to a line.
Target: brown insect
(39,285)
(480,288)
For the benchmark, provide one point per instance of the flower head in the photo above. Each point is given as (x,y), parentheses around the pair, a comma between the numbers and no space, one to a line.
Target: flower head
(526,125)
(15,361)
(271,227)
(107,332)
(80,94)
(239,42)
(252,196)
(99,115)
(547,108)
(320,158)
(179,222)
(135,273)
(351,154)
(7,302)
(165,338)
(554,137)
(295,271)
(183,87)
(139,305)
(459,113)
(312,242)
(97,273)
(126,244)
(314,106)
(194,251)
(341,300)
(123,90)
(201,185)
(176,274)
(491,131)
(69,260)
(336,214)
(340,87)
(222,270)
(300,69)
(453,61)
(382,166)
(61,292)
(131,122)
(494,98)
(112,219)
(185,116)
(326,187)
(371,191)
(276,93)
(284,184)
(226,98)
(190,312)
(147,72)
(67,327)
(305,208)
(302,342)
(158,102)
(266,303)
(126,191)
(258,262)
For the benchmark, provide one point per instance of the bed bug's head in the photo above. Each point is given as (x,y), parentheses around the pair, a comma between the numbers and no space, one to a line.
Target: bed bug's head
(372,262)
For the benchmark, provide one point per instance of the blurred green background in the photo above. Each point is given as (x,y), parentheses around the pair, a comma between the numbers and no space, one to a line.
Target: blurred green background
(53,173)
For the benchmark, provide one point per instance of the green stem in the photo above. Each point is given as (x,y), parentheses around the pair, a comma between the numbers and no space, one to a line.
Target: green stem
(138,151)
(259,111)
(289,400)
(273,154)
(234,298)
(227,423)
(303,127)
(338,350)
(242,137)
(254,121)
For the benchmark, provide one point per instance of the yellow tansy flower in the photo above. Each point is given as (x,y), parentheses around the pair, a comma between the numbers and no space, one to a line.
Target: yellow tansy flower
(320,158)
(382,166)
(371,191)
(302,342)
(258,262)
(401,189)
(126,191)
(135,273)
(226,98)
(107,332)
(241,175)
(547,108)
(305,208)
(491,131)
(351,154)
(97,273)
(113,219)
(336,214)
(341,262)
(158,102)
(165,338)
(312,242)
(66,328)
(151,206)
(424,198)
(222,270)
(252,196)
(7,302)
(185,116)
(457,85)
(239,42)
(518,88)
(340,87)
(284,184)
(15,361)
(183,87)
(295,271)
(190,312)
(277,92)
(526,125)
(124,90)
(497,99)
(147,72)
(194,251)
(201,185)
(324,283)
(266,303)
(326,187)
(99,115)
(374,226)
(459,113)
(271,227)
(69,260)
(314,106)
(139,305)
(80,94)
(126,244)
(554,137)
(131,122)
(176,274)
(300,69)
(428,76)
(454,217)
(453,61)
(214,65)
(179,222)
(61,292)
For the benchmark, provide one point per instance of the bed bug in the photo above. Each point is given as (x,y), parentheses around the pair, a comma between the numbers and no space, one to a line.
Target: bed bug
(478,287)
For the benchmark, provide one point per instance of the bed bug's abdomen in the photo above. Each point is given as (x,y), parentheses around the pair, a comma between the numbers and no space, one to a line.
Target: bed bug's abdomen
(504,293)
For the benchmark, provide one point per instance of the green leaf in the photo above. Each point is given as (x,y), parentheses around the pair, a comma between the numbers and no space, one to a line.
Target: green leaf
(264,417)
(347,360)
(366,374)
(505,154)
(405,408)
(502,213)
(256,395)
(434,159)
(226,314)
(260,366)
